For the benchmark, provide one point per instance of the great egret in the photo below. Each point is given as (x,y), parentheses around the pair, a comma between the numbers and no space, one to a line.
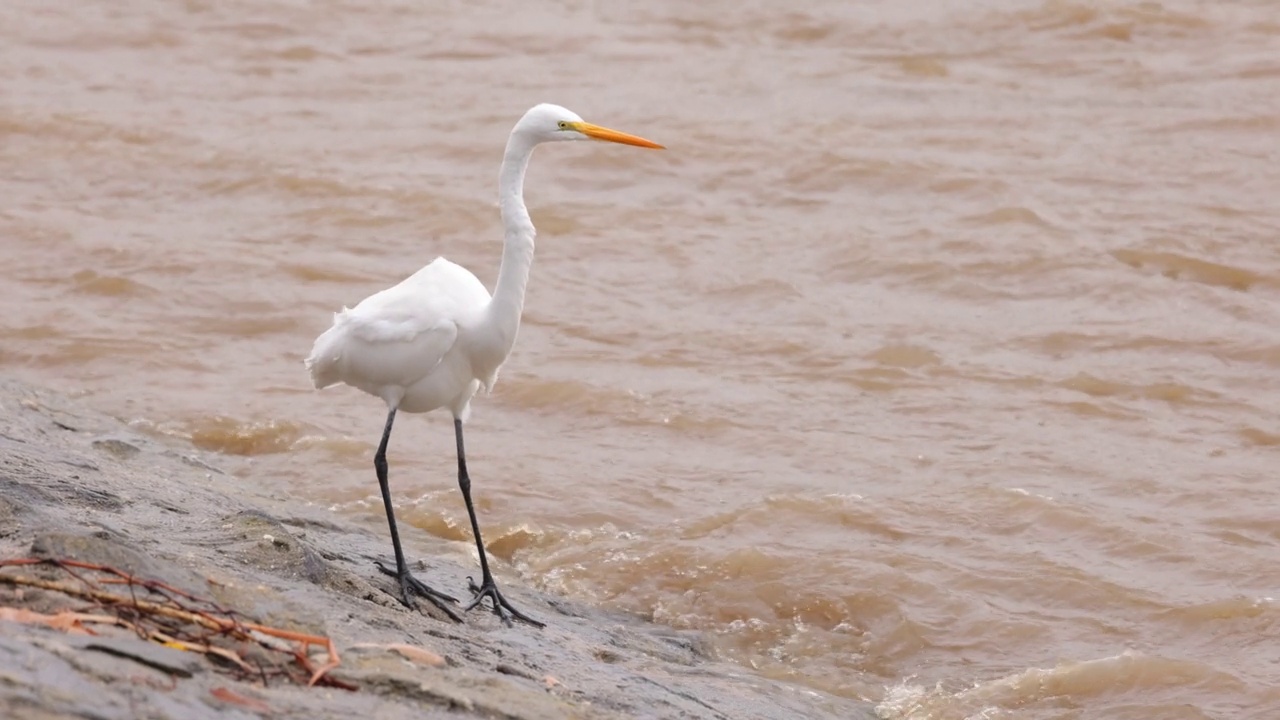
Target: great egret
(434,339)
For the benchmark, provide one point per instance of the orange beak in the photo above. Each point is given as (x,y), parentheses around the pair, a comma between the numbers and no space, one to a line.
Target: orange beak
(603,133)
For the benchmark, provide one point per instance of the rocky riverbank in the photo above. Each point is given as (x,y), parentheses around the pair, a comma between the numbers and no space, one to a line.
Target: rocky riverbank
(77,484)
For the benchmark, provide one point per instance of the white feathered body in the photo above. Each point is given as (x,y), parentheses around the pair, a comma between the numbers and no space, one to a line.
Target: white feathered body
(420,345)
(436,338)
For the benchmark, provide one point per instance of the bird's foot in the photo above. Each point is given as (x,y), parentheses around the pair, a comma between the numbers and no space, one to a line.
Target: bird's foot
(411,586)
(489,589)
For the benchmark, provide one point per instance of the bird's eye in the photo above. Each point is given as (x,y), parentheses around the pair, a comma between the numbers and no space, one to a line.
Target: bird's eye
(562,125)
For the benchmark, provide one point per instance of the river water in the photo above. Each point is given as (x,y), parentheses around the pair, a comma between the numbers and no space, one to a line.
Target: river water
(934,363)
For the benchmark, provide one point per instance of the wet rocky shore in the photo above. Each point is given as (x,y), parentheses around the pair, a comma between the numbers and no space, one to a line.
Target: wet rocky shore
(77,484)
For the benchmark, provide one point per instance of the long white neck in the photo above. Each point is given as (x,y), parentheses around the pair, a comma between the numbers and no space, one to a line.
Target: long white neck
(517,249)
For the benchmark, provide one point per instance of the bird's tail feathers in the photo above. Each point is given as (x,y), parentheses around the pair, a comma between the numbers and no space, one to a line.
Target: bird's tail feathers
(325,360)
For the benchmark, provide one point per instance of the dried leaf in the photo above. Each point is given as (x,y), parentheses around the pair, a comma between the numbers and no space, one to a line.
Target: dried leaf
(228,696)
(422,656)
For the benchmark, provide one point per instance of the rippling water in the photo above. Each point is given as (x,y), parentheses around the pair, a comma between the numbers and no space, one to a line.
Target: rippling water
(934,363)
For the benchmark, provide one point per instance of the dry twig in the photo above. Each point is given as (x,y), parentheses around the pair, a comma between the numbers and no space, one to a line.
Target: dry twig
(181,609)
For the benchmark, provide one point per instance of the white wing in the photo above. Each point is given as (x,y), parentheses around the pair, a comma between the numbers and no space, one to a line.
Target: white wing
(396,337)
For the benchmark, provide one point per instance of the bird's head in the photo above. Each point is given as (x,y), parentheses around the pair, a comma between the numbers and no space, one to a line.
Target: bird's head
(552,123)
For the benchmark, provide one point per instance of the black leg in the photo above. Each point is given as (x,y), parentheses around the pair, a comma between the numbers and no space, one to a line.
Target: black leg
(409,585)
(488,588)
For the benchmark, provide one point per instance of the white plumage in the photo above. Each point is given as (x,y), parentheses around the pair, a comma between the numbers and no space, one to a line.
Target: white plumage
(419,345)
(436,338)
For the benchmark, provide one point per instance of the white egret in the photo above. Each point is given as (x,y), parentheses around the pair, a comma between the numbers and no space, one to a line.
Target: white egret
(436,338)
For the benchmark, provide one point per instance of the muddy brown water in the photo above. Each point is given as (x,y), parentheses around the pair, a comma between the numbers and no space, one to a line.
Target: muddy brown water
(934,363)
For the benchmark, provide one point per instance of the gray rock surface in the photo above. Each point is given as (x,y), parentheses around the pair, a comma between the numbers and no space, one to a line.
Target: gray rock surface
(77,484)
